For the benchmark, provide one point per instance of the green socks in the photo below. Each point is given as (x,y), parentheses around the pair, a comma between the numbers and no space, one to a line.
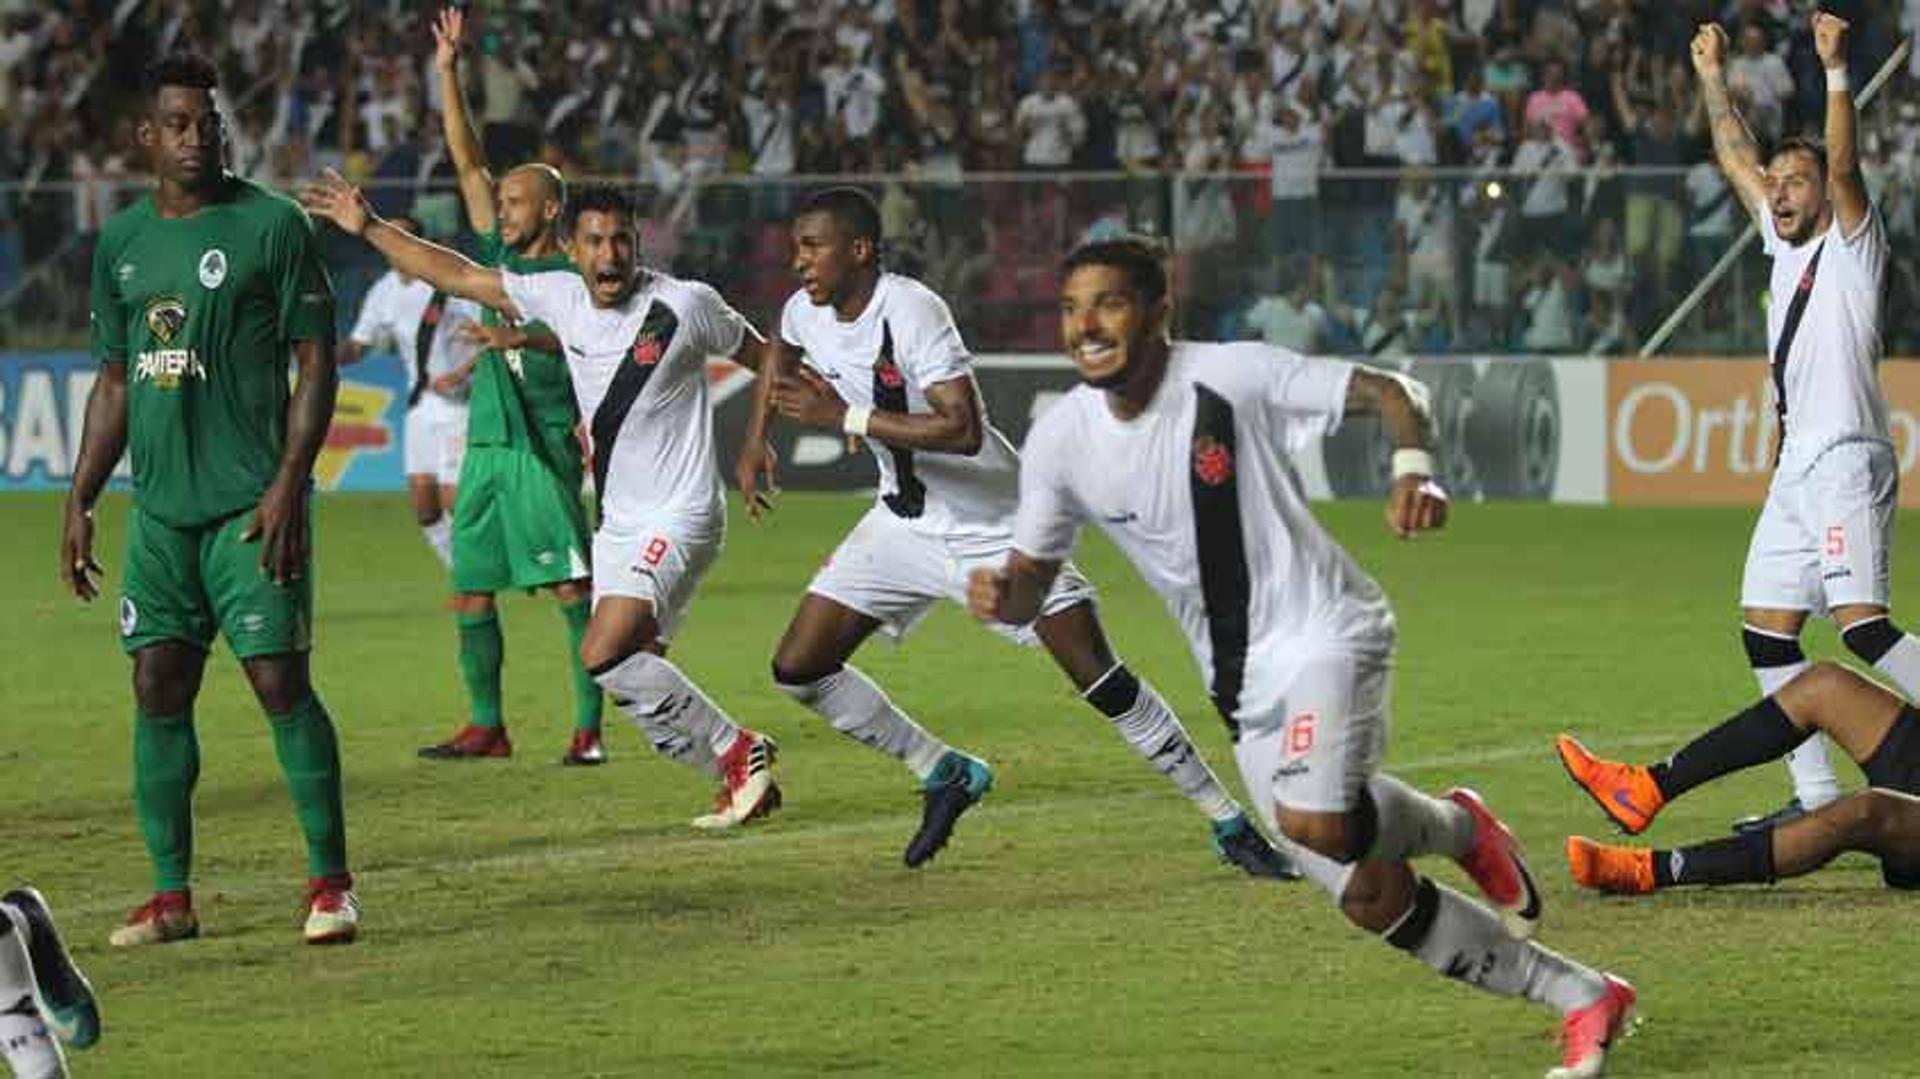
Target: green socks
(309,755)
(586,692)
(482,650)
(166,764)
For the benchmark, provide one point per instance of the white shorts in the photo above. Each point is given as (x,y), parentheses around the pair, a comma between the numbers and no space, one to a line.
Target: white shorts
(435,439)
(1325,740)
(891,572)
(1825,535)
(661,562)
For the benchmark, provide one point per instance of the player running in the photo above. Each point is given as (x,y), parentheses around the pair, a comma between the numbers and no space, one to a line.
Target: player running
(518,523)
(878,356)
(1824,536)
(201,292)
(44,999)
(1295,639)
(1872,725)
(422,324)
(637,342)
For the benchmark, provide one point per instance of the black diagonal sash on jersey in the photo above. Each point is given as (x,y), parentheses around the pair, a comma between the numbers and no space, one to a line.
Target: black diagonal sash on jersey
(423,344)
(909,500)
(649,347)
(1225,584)
(1796,310)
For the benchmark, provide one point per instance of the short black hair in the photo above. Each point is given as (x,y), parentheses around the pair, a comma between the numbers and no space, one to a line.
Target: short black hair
(851,208)
(1142,259)
(188,69)
(1804,144)
(599,199)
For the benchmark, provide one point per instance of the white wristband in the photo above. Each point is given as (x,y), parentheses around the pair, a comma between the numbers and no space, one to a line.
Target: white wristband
(856,420)
(1837,80)
(1412,462)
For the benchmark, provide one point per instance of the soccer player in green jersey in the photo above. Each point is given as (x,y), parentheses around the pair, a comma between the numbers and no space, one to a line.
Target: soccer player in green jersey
(518,521)
(201,292)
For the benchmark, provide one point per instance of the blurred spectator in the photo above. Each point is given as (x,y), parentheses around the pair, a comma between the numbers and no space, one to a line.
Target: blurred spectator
(1543,165)
(1297,145)
(1560,107)
(1051,122)
(1761,77)
(1293,316)
(1548,306)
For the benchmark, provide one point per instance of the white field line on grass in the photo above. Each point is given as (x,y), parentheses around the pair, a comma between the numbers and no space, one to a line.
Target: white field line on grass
(629,849)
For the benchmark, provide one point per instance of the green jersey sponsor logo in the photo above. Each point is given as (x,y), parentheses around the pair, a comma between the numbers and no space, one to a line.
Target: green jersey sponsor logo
(166,318)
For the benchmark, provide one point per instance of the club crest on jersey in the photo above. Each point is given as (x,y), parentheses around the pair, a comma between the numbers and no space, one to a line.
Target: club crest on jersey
(889,374)
(647,351)
(1212,461)
(213,268)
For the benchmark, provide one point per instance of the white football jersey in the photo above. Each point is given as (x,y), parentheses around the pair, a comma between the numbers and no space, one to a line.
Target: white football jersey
(401,315)
(904,342)
(640,374)
(1832,377)
(1196,491)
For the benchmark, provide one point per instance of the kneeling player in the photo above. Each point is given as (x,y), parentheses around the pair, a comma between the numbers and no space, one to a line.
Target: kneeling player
(1879,730)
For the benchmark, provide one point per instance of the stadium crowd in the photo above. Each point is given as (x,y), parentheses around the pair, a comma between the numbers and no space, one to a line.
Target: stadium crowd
(1523,233)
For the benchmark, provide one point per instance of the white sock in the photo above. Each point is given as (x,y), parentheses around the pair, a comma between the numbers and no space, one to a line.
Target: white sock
(26,1041)
(1463,940)
(1813,780)
(1154,732)
(1408,824)
(1902,664)
(680,721)
(440,537)
(860,710)
(1772,678)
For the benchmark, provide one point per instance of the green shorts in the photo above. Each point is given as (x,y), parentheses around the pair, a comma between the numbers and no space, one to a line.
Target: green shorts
(515,523)
(186,584)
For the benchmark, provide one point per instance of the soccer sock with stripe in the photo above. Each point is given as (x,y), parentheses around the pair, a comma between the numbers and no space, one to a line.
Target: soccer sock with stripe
(309,755)
(440,537)
(1463,940)
(166,765)
(859,709)
(586,691)
(1892,652)
(1755,736)
(1777,659)
(1154,732)
(1738,859)
(482,652)
(681,722)
(27,1043)
(1407,823)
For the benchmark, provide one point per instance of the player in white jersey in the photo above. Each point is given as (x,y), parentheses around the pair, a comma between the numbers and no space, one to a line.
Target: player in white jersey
(636,344)
(423,325)
(1296,641)
(878,356)
(44,999)
(1824,537)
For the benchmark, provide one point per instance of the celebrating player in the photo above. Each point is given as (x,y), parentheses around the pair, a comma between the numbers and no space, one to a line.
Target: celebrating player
(201,292)
(1296,641)
(1879,730)
(412,317)
(878,356)
(637,343)
(1823,539)
(518,522)
(35,968)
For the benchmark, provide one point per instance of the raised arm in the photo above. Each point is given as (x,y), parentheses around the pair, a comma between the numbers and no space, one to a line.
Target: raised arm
(342,203)
(1417,503)
(1623,101)
(1844,185)
(469,158)
(1733,145)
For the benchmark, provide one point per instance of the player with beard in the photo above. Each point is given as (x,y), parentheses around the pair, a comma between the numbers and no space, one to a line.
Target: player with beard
(1295,640)
(878,356)
(637,343)
(1824,536)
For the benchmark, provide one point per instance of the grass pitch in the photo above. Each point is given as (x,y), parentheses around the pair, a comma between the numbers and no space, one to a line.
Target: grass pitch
(529,920)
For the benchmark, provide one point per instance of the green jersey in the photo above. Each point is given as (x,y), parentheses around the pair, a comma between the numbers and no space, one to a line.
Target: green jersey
(204,310)
(522,396)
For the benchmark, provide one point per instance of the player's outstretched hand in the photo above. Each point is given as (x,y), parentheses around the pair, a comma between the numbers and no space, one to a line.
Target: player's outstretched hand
(77,567)
(333,198)
(1417,504)
(447,27)
(986,593)
(1830,39)
(489,337)
(1709,50)
(805,398)
(280,524)
(754,472)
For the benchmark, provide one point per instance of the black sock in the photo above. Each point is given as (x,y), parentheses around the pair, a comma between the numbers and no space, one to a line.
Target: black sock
(1740,859)
(1760,734)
